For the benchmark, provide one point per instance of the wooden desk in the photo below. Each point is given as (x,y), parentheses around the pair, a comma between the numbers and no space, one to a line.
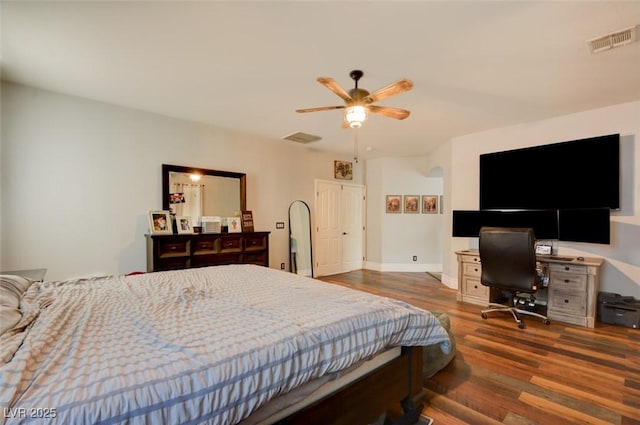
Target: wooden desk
(572,291)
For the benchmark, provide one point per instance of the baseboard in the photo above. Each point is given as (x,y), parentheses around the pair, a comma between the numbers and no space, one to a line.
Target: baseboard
(402,267)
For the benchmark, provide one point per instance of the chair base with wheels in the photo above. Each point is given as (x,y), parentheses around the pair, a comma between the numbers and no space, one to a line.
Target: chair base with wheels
(514,312)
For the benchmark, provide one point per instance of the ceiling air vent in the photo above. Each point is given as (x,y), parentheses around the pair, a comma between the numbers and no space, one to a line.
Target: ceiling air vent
(301,137)
(616,39)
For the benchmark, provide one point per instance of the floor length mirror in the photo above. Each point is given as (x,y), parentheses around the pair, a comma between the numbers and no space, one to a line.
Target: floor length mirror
(300,252)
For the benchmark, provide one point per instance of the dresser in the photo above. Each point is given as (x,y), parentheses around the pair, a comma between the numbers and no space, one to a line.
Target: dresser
(572,292)
(172,252)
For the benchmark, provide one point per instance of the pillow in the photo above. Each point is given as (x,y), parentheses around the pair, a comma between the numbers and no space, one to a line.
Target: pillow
(12,288)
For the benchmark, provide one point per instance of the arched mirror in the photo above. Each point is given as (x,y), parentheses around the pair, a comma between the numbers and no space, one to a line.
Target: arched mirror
(197,192)
(300,253)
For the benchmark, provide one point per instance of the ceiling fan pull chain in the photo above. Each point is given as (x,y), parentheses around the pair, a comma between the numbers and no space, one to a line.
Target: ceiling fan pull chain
(355,145)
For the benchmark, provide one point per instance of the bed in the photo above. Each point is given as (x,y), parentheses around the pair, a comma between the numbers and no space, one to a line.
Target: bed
(220,345)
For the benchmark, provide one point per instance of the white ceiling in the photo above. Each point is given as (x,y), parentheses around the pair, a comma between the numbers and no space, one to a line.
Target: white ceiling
(249,65)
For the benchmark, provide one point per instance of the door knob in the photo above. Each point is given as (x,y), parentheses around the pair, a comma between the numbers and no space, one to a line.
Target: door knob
(344,233)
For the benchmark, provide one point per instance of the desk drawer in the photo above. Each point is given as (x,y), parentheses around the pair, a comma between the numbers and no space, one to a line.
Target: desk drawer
(567,268)
(568,282)
(470,269)
(474,288)
(569,303)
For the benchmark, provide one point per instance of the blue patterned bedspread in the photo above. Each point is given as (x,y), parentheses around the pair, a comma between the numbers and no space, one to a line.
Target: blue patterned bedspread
(207,345)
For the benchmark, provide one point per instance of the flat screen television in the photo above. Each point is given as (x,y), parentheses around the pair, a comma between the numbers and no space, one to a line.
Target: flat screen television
(468,223)
(581,173)
(585,225)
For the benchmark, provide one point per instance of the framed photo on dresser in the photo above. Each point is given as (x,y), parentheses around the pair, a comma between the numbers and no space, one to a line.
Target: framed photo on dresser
(160,223)
(184,225)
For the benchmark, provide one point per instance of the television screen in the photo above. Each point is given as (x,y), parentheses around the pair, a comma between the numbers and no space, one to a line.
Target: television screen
(569,175)
(585,225)
(543,222)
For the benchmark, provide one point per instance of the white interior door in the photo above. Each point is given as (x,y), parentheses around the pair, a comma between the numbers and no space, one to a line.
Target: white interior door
(352,212)
(339,227)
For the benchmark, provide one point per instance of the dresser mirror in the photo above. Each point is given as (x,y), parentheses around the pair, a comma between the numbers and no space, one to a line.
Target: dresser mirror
(300,252)
(197,192)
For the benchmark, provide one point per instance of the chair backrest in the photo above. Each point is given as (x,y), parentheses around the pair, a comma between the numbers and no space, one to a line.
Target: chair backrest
(508,258)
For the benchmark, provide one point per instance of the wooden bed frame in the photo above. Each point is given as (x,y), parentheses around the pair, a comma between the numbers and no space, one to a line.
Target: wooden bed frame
(395,384)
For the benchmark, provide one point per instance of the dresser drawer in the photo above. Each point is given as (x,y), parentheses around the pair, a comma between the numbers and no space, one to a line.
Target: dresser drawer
(231,244)
(569,303)
(259,258)
(172,263)
(474,288)
(470,269)
(255,242)
(173,247)
(206,245)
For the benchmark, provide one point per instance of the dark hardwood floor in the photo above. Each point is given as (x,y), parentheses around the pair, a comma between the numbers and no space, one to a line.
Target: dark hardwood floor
(546,375)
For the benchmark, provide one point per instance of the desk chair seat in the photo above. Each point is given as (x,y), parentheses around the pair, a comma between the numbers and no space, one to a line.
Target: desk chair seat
(508,261)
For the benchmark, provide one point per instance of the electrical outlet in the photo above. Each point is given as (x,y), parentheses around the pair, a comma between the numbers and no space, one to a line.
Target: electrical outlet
(280,225)
(415,258)
(281,266)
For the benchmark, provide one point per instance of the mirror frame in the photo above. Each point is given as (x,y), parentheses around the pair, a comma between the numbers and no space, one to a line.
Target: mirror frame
(166,169)
(310,236)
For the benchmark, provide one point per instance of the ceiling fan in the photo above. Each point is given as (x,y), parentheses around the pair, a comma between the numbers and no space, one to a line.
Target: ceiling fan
(358,102)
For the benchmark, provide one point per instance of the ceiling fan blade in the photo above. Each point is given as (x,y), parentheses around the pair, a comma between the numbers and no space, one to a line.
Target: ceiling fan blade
(322,108)
(392,89)
(332,85)
(396,113)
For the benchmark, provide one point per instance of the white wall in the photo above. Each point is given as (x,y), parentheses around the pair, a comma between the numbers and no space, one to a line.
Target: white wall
(396,238)
(78,178)
(621,272)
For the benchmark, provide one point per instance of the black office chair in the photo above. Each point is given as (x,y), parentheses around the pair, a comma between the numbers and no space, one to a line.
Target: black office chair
(508,261)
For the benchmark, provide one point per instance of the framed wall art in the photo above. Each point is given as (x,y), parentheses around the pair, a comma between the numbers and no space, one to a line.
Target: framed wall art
(429,204)
(394,203)
(184,225)
(343,170)
(160,223)
(412,204)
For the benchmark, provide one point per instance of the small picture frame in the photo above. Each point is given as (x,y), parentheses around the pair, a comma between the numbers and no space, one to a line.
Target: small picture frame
(429,204)
(247,221)
(160,223)
(412,204)
(184,225)
(234,225)
(394,204)
(343,170)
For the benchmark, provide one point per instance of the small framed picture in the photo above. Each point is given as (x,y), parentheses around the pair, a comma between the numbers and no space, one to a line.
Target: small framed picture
(429,204)
(343,170)
(412,204)
(234,225)
(184,225)
(394,203)
(160,223)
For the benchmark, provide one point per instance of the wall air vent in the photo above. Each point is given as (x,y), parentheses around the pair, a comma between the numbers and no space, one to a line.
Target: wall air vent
(616,39)
(300,137)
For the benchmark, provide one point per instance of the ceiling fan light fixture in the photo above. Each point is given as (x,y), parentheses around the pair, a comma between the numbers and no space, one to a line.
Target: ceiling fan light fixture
(355,115)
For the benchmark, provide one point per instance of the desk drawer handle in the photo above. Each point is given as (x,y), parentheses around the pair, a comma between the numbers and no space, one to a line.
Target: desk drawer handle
(567,268)
(567,281)
(475,270)
(173,248)
(566,301)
